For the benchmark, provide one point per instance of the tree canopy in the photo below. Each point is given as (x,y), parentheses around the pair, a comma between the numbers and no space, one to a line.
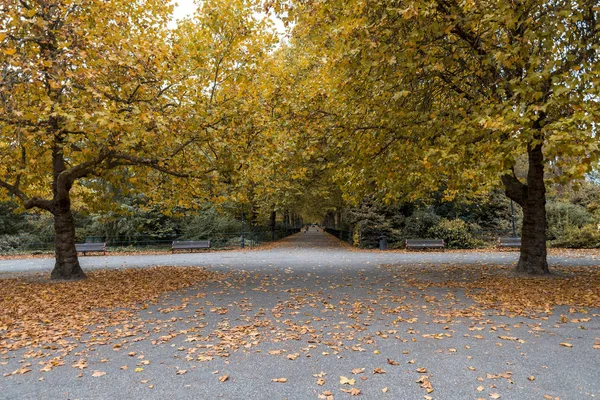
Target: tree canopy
(442,94)
(91,88)
(391,100)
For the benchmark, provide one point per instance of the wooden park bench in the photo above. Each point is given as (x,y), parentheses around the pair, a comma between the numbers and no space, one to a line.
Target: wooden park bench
(425,244)
(190,245)
(89,247)
(513,242)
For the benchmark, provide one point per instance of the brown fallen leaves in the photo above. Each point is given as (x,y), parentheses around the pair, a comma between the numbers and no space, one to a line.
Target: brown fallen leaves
(499,287)
(425,383)
(43,312)
(347,381)
(326,395)
(81,364)
(21,371)
(352,391)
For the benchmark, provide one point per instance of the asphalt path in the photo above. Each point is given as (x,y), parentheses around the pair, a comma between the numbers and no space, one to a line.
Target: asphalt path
(311,309)
(297,250)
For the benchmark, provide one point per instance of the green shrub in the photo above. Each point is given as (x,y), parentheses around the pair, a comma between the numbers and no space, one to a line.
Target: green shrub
(237,241)
(586,237)
(209,222)
(11,223)
(419,224)
(457,234)
(23,242)
(564,217)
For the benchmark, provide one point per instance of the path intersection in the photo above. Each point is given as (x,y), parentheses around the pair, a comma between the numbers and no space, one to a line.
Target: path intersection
(314,319)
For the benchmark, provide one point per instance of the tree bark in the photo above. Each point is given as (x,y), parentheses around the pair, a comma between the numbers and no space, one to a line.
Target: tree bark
(273,224)
(67,264)
(532,199)
(286,219)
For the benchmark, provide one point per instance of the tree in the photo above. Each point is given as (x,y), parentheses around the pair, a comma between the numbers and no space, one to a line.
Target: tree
(90,88)
(441,93)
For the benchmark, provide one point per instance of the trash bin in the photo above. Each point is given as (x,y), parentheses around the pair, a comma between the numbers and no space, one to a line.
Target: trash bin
(382,242)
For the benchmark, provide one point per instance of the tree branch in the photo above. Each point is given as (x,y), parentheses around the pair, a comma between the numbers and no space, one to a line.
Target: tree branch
(131,160)
(13,189)
(36,202)
(69,176)
(514,188)
(28,203)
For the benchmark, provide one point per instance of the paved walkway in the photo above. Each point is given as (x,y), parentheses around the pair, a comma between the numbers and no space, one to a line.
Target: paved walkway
(315,247)
(313,312)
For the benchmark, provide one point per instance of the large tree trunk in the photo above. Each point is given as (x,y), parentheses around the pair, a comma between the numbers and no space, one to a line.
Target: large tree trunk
(67,265)
(533,259)
(532,199)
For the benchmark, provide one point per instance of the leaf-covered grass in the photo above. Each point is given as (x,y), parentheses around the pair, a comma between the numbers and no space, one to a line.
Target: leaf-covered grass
(501,288)
(39,312)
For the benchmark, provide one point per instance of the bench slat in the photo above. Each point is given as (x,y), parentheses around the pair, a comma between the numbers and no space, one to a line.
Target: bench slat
(190,245)
(88,247)
(424,243)
(509,242)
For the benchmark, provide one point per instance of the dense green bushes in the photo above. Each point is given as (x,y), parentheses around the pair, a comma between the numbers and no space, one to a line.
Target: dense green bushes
(563,217)
(420,224)
(371,220)
(586,237)
(23,241)
(457,234)
(573,220)
(11,223)
(134,225)
(205,224)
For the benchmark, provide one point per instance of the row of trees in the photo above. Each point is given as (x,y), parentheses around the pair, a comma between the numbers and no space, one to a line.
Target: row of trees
(392,100)
(133,222)
(416,96)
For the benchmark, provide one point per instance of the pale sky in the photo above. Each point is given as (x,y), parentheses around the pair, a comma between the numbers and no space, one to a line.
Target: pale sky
(184,8)
(187,7)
